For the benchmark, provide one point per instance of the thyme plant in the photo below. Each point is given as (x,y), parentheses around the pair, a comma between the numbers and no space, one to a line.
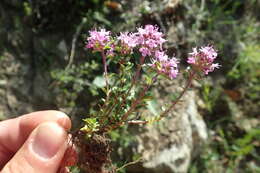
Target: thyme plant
(132,64)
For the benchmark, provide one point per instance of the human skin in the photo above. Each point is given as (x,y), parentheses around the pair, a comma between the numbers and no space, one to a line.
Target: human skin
(34,143)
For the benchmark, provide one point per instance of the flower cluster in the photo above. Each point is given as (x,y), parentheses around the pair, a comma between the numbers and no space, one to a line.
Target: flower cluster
(165,65)
(202,59)
(128,39)
(128,42)
(149,42)
(149,39)
(98,39)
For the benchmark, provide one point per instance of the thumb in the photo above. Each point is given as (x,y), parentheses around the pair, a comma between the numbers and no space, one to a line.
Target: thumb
(42,152)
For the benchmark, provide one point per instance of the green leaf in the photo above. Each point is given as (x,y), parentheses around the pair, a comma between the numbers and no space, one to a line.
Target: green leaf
(101,18)
(244,151)
(147,98)
(152,106)
(99,81)
(91,125)
(27,9)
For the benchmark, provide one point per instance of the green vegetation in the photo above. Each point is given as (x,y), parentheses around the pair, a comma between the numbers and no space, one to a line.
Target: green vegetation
(234,99)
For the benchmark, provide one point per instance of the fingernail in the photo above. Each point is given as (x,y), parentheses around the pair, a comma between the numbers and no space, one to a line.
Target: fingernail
(63,120)
(48,139)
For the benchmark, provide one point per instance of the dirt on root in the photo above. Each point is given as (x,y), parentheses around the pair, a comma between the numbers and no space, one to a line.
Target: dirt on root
(93,153)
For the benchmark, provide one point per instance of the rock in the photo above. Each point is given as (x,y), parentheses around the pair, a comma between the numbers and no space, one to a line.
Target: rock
(170,145)
(20,92)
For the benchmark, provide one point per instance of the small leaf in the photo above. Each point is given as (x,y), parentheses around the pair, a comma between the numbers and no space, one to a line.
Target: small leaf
(152,106)
(99,81)
(101,18)
(147,98)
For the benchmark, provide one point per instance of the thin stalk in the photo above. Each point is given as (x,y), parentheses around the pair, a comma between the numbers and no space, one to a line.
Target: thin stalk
(172,105)
(110,108)
(136,76)
(130,163)
(192,74)
(133,106)
(107,86)
(137,101)
(105,69)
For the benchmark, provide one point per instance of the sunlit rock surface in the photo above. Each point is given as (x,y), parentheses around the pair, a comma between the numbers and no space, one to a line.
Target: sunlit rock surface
(169,145)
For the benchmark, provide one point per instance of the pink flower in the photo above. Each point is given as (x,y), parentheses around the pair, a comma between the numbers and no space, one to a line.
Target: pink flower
(210,53)
(203,59)
(173,62)
(128,39)
(98,39)
(161,56)
(151,43)
(151,32)
(127,42)
(149,38)
(165,65)
(191,60)
(212,67)
(145,51)
(173,73)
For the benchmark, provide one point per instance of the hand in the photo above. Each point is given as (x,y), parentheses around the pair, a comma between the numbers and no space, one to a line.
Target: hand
(34,143)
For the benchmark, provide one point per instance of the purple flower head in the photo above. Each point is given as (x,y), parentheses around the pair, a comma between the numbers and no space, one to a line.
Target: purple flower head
(128,39)
(127,42)
(203,59)
(173,73)
(151,32)
(98,39)
(165,65)
(160,56)
(149,38)
(209,52)
(173,62)
(145,51)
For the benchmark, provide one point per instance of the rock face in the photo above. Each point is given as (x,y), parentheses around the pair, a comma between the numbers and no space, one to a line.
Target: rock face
(23,90)
(169,146)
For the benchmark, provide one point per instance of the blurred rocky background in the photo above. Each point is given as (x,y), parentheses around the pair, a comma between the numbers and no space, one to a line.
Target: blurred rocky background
(214,129)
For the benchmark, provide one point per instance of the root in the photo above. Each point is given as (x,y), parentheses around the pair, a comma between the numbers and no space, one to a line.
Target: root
(93,153)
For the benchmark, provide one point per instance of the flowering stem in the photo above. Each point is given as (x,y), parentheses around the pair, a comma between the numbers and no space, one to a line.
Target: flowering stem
(109,109)
(164,114)
(131,109)
(137,74)
(106,79)
(137,101)
(105,68)
(191,76)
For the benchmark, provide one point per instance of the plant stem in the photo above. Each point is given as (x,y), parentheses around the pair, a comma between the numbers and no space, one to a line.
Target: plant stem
(107,84)
(105,69)
(109,109)
(136,76)
(164,114)
(133,106)
(179,97)
(137,101)
(130,163)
